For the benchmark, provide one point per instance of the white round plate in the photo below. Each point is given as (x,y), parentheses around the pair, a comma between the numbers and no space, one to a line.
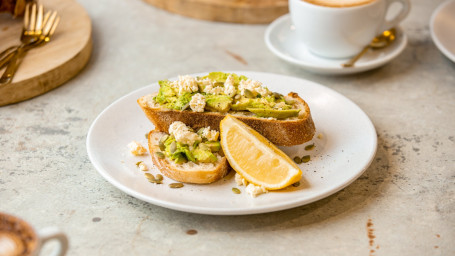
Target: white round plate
(280,38)
(442,27)
(345,148)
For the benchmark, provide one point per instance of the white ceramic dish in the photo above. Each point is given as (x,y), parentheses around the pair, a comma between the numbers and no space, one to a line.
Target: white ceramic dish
(346,147)
(442,27)
(280,38)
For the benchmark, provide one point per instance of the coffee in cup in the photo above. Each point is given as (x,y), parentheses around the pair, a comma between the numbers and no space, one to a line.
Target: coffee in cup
(339,29)
(18,238)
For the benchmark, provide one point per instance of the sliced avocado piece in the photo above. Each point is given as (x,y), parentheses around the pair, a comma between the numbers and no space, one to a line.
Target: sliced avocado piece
(182,102)
(165,93)
(245,103)
(180,159)
(221,77)
(214,146)
(204,156)
(218,103)
(279,114)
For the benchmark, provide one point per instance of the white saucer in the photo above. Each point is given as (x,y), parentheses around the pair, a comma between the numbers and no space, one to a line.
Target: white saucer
(442,26)
(281,40)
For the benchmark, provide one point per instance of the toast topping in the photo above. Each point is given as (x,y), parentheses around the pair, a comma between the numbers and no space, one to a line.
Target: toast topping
(224,92)
(183,144)
(197,103)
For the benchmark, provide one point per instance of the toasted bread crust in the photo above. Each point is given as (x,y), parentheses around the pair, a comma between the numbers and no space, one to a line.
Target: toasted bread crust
(197,176)
(280,132)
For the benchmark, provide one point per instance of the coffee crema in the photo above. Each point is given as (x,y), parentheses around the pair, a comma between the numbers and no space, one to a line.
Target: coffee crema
(339,3)
(17,238)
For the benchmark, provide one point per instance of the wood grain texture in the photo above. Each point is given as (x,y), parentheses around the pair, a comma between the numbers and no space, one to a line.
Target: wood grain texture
(49,66)
(235,11)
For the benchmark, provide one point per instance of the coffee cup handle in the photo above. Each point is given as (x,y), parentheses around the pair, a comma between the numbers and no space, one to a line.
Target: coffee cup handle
(51,233)
(405,8)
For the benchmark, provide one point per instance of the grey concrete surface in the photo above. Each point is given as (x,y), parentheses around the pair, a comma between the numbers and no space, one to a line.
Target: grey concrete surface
(404,204)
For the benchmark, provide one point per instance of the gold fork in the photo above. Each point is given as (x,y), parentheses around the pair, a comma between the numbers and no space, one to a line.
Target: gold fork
(50,24)
(31,31)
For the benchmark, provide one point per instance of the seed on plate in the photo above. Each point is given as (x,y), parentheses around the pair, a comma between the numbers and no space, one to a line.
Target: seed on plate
(309,147)
(150,177)
(236,190)
(159,177)
(297,160)
(176,185)
(138,163)
(305,159)
(160,154)
(146,135)
(296,184)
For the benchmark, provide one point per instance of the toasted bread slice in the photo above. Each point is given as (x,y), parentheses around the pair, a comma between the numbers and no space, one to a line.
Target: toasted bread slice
(199,173)
(286,132)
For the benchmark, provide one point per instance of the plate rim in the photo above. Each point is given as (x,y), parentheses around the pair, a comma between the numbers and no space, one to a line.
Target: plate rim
(229,211)
(437,42)
(362,67)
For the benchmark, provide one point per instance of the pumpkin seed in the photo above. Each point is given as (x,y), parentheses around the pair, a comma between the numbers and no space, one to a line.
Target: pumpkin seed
(150,177)
(176,185)
(159,177)
(297,160)
(296,184)
(146,135)
(305,159)
(161,142)
(138,163)
(277,95)
(236,190)
(160,155)
(309,147)
(248,93)
(173,147)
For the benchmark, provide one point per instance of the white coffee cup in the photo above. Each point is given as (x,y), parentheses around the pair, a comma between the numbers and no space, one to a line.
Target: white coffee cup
(342,32)
(18,237)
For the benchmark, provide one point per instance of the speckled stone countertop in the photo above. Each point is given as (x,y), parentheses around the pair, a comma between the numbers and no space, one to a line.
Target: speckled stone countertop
(404,203)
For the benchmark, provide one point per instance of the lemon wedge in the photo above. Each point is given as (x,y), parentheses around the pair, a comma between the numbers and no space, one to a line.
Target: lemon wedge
(255,158)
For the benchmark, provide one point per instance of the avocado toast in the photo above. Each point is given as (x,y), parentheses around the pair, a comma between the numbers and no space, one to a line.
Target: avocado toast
(204,101)
(186,156)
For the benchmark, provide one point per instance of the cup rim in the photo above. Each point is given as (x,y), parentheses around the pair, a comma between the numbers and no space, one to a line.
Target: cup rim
(332,8)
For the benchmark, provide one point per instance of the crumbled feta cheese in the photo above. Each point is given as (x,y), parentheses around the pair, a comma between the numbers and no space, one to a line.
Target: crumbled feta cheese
(210,89)
(143,167)
(254,190)
(240,180)
(229,88)
(197,103)
(210,135)
(187,84)
(280,105)
(254,86)
(183,134)
(136,148)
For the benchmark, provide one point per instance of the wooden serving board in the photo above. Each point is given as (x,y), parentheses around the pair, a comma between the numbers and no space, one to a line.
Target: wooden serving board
(46,67)
(236,11)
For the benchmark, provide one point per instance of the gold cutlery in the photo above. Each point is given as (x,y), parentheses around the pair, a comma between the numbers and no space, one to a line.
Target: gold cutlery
(33,22)
(381,41)
(39,31)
